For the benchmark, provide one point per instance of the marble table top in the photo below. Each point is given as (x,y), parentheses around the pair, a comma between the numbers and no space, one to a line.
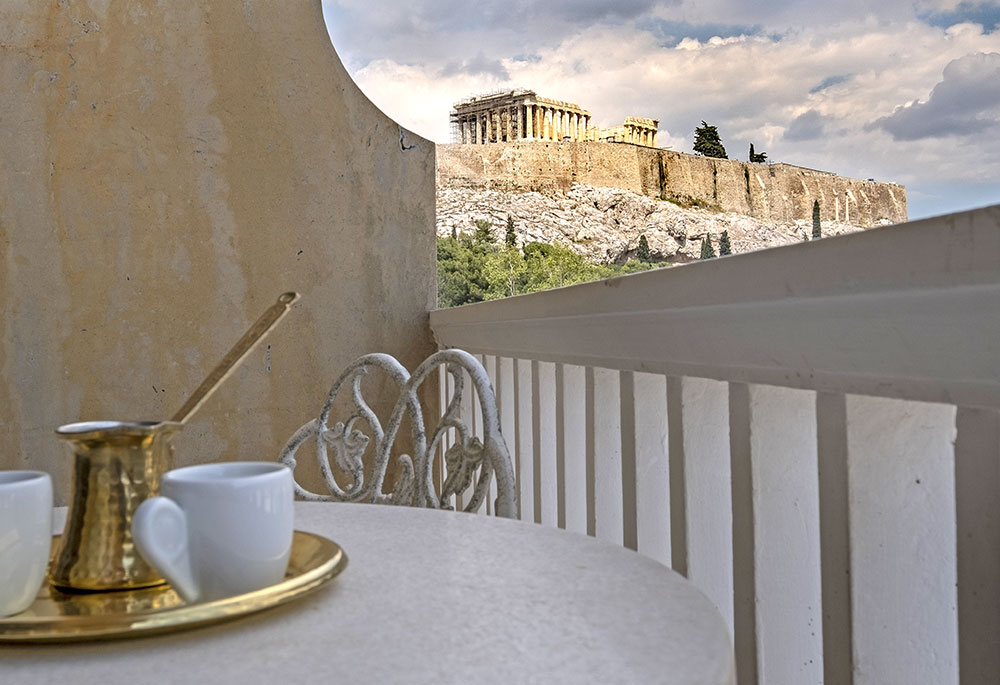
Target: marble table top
(433,596)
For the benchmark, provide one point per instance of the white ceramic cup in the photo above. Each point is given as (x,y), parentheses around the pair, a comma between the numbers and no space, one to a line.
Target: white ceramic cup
(220,529)
(25,537)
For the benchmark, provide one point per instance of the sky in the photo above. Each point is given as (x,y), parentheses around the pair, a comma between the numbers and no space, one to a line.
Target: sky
(897,90)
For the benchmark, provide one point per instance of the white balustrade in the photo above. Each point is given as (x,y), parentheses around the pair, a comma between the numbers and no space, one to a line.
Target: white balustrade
(811,434)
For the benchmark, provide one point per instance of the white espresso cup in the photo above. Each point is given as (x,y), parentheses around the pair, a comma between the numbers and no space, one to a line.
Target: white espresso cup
(25,537)
(220,529)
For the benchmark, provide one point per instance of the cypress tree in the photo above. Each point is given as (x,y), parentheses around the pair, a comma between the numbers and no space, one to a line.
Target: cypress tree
(817,230)
(642,252)
(724,246)
(511,236)
(707,141)
(707,251)
(484,231)
(454,233)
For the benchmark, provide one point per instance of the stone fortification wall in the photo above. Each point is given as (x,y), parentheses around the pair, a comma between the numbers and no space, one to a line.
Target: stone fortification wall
(769,192)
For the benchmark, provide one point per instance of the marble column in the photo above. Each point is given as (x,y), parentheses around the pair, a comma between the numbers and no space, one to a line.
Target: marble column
(518,123)
(529,111)
(464,131)
(575,125)
(656,137)
(486,135)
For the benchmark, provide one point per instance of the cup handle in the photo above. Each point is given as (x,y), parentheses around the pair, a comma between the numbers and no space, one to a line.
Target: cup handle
(159,529)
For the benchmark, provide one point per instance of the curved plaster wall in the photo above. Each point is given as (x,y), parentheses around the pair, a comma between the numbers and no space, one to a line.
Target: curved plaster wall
(166,170)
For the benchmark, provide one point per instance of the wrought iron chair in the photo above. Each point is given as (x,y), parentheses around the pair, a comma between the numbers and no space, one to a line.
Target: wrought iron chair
(414,483)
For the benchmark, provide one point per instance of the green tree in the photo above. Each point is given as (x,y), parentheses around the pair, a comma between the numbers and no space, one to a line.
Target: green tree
(707,141)
(817,229)
(510,238)
(483,232)
(642,251)
(757,158)
(473,271)
(724,246)
(505,270)
(454,233)
(707,251)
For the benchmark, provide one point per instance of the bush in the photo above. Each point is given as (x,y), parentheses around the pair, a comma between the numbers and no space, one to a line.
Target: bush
(471,270)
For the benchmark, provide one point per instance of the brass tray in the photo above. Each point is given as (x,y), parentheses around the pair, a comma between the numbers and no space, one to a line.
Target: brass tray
(58,616)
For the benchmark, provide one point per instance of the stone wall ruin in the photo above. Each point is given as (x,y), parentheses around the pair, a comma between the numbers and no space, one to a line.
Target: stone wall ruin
(770,192)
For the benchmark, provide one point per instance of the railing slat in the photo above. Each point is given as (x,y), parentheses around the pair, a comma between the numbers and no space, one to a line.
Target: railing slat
(783,449)
(468,416)
(835,536)
(652,477)
(902,509)
(627,403)
(544,400)
(604,448)
(977,488)
(477,429)
(490,364)
(776,585)
(701,488)
(507,403)
(744,563)
(571,446)
(525,439)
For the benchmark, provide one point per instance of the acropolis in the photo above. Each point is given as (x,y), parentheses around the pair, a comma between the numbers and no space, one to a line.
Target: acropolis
(518,115)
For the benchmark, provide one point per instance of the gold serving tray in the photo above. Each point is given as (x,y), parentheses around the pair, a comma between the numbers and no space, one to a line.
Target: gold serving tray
(59,616)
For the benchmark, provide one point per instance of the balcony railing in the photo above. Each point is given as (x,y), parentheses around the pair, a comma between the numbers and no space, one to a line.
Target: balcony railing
(811,434)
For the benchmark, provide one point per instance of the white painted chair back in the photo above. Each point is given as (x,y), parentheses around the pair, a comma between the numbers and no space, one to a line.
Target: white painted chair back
(463,460)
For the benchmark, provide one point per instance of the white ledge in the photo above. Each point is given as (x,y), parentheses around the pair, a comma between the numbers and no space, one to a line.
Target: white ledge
(909,311)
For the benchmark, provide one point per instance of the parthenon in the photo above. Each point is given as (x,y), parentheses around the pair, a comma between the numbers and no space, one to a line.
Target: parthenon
(517,115)
(521,115)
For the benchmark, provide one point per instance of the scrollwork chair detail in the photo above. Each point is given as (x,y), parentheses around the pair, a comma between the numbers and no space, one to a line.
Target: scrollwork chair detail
(348,442)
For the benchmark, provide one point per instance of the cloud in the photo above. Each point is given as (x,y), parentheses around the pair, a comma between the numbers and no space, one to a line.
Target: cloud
(965,102)
(807,126)
(478,65)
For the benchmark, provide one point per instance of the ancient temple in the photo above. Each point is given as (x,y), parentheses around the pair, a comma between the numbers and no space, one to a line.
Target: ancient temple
(521,115)
(515,115)
(635,130)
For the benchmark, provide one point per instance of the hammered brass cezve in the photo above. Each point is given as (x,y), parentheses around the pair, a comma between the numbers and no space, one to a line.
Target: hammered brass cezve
(117,465)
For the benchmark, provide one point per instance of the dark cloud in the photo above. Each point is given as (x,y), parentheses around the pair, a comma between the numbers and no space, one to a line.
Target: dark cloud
(966,101)
(518,14)
(828,82)
(670,33)
(986,14)
(807,126)
(439,31)
(480,65)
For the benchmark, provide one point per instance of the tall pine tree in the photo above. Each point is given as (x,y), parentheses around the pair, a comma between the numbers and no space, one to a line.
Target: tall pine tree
(707,251)
(817,230)
(511,236)
(642,251)
(724,246)
(707,141)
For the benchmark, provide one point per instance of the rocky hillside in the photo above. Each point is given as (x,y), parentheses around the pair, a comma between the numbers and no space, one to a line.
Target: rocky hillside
(604,224)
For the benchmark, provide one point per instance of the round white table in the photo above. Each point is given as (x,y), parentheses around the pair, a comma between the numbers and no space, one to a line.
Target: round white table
(434,597)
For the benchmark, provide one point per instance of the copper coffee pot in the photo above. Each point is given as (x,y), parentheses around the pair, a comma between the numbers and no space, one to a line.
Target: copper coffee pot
(117,465)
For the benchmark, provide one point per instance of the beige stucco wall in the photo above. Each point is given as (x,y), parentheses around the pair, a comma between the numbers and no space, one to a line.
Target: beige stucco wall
(166,170)
(770,192)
